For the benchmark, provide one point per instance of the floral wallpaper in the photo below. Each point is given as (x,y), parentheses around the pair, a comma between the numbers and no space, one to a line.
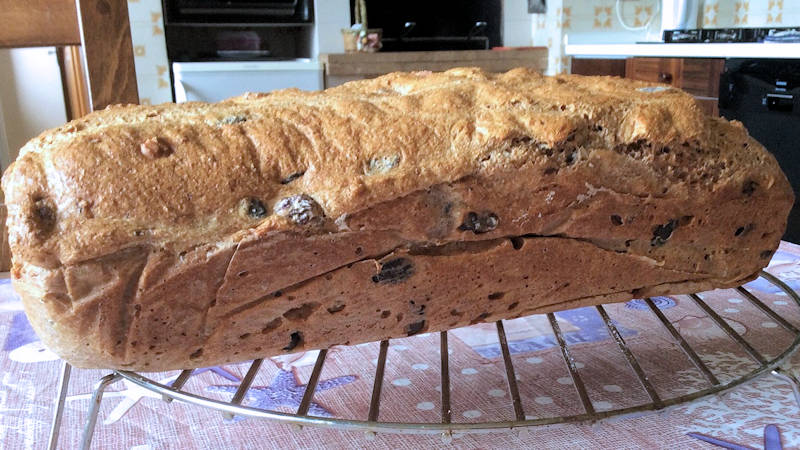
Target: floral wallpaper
(149,51)
(596,21)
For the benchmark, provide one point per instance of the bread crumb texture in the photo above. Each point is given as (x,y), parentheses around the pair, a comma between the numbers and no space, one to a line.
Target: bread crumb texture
(177,236)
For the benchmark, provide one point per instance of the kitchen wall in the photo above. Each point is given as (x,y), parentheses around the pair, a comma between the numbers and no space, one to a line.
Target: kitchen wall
(751,14)
(517,24)
(330,16)
(149,51)
(597,22)
(547,30)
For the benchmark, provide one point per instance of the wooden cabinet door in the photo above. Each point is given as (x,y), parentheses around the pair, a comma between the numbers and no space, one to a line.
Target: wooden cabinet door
(700,76)
(597,66)
(654,70)
(697,76)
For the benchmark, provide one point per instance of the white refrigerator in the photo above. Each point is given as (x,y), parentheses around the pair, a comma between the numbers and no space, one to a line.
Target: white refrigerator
(218,80)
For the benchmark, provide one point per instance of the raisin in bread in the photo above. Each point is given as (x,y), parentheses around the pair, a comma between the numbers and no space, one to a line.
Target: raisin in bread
(177,236)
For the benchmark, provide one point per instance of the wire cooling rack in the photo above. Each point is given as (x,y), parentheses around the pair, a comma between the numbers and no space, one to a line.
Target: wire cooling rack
(445,426)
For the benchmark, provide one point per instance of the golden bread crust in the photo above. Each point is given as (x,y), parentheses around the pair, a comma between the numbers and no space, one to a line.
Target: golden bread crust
(167,236)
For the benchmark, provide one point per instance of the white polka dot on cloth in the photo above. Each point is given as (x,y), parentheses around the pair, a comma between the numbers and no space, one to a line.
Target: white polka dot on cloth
(438,388)
(769,324)
(425,406)
(496,393)
(612,388)
(527,417)
(735,300)
(534,360)
(731,310)
(472,414)
(564,380)
(401,382)
(603,405)
(469,371)
(375,361)
(419,366)
(780,303)
(579,365)
(543,400)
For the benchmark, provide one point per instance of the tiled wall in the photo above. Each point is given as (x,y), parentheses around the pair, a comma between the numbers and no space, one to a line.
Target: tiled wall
(590,22)
(547,30)
(751,13)
(149,51)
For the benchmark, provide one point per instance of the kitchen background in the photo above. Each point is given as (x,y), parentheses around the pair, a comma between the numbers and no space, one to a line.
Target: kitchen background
(584,22)
(29,104)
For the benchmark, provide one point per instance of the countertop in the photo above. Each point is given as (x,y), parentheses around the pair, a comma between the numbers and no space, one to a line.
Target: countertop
(716,50)
(383,62)
(343,67)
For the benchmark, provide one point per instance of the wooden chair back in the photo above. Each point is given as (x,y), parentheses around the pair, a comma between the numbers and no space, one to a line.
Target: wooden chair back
(97,30)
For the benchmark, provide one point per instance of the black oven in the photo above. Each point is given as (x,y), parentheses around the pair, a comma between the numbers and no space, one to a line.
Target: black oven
(237,11)
(764,94)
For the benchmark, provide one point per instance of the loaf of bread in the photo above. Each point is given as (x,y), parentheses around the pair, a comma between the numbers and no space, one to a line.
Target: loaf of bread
(177,236)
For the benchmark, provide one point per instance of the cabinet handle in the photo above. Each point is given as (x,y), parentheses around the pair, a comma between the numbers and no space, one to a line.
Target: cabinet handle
(665,77)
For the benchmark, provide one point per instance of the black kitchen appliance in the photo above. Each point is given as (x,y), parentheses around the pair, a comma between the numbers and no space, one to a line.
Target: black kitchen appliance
(238,30)
(238,11)
(422,25)
(764,94)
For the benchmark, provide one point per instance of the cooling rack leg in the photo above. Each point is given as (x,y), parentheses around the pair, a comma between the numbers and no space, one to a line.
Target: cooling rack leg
(788,376)
(94,409)
(63,384)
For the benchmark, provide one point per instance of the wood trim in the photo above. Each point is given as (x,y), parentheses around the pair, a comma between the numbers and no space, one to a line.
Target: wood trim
(73,79)
(38,23)
(108,52)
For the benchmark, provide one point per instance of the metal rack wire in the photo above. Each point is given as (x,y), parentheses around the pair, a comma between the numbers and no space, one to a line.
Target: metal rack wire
(445,426)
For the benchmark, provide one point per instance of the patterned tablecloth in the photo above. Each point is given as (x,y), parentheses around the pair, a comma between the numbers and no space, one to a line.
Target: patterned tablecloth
(132,417)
